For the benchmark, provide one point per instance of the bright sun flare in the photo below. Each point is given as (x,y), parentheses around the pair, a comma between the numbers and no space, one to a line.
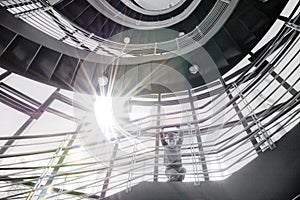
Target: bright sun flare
(104,114)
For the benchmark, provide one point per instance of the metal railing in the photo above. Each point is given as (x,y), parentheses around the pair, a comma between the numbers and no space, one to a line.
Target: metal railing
(42,16)
(226,147)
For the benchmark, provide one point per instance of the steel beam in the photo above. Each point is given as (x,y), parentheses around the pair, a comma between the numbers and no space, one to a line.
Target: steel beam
(109,170)
(199,140)
(155,177)
(241,117)
(36,115)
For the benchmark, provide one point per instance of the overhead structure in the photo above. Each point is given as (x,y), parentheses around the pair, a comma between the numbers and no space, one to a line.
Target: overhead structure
(86,87)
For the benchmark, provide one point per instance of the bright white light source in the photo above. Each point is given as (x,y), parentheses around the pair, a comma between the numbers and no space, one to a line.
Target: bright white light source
(181,34)
(104,115)
(103,80)
(126,40)
(194,69)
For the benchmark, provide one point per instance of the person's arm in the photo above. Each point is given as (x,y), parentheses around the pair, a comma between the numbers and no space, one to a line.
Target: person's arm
(162,139)
(180,140)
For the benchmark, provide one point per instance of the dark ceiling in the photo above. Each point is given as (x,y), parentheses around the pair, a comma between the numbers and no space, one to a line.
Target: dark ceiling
(241,32)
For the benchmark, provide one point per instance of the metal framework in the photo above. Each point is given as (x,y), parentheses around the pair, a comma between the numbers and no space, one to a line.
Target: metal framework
(254,121)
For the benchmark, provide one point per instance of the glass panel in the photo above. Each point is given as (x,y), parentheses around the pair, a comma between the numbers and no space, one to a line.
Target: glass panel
(11,121)
(62,107)
(50,123)
(67,93)
(33,89)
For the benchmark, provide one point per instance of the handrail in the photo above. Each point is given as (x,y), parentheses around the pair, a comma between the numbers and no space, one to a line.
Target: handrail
(40,18)
(110,12)
(230,149)
(152,12)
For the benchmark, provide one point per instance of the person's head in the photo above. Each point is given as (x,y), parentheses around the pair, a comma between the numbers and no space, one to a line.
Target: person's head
(171,138)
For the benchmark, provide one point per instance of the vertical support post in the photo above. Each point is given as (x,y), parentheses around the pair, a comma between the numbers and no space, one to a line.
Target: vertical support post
(36,193)
(130,175)
(199,140)
(155,177)
(199,31)
(241,117)
(61,159)
(177,43)
(109,170)
(256,120)
(193,154)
